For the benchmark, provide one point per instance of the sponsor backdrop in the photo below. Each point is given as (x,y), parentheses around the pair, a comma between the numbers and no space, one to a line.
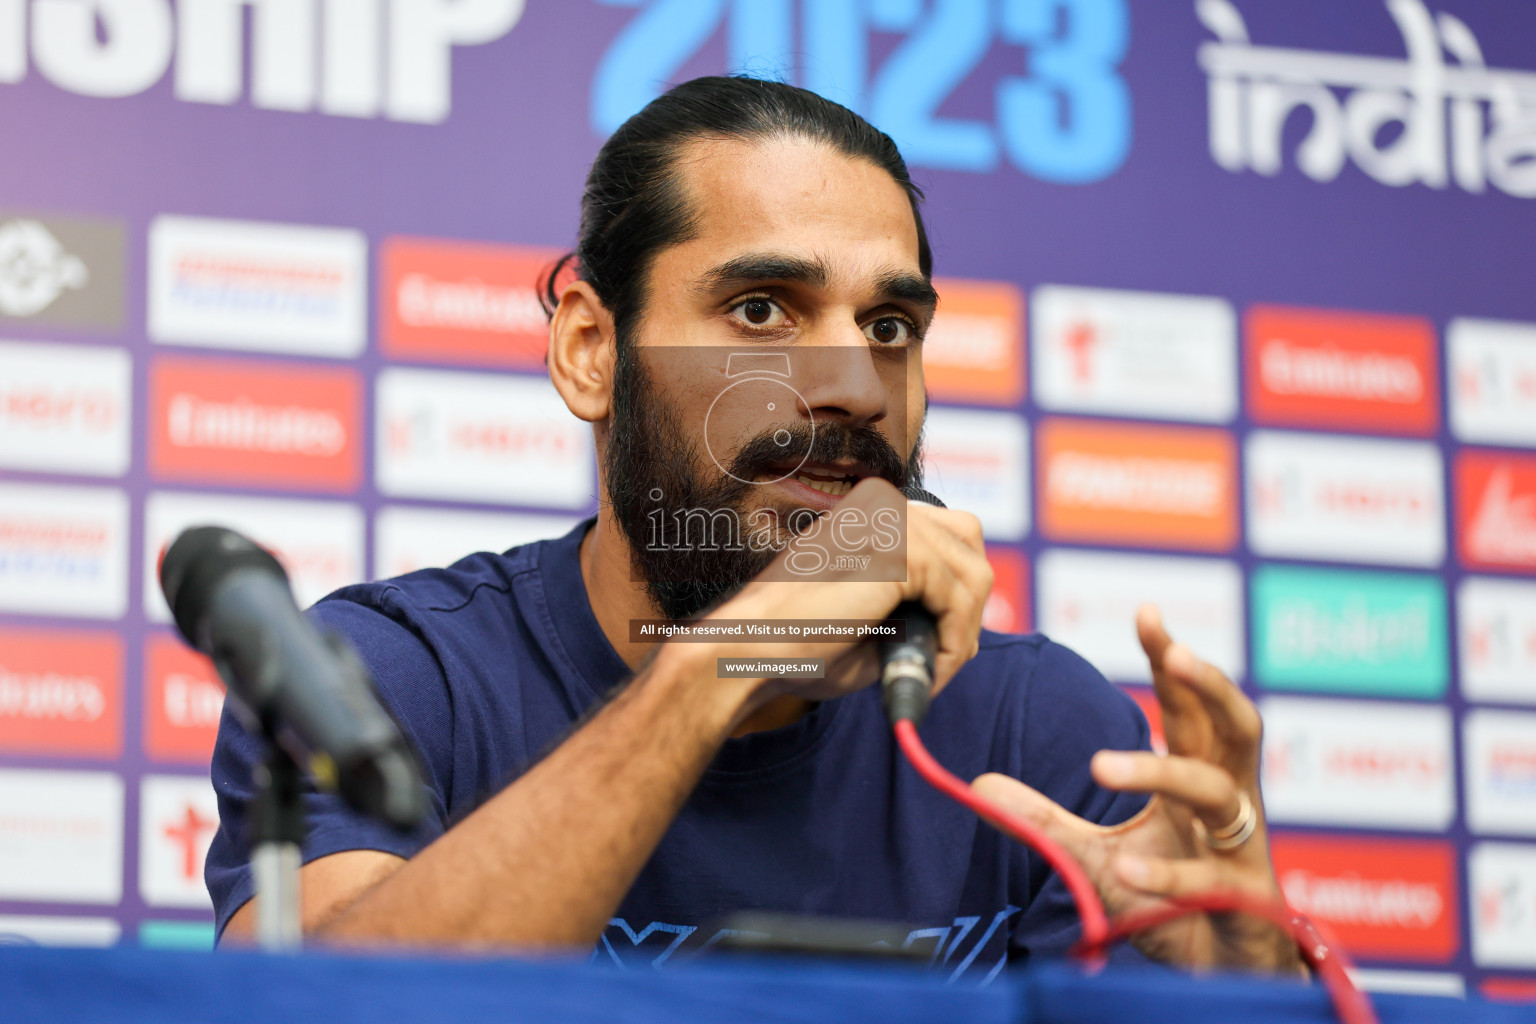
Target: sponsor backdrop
(1236,317)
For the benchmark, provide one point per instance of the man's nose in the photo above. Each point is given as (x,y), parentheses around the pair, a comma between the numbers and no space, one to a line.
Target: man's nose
(839,377)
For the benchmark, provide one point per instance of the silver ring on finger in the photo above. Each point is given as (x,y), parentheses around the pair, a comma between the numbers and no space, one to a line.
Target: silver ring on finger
(1241,829)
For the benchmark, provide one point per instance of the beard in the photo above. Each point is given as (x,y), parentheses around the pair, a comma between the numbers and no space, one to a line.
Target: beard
(654,474)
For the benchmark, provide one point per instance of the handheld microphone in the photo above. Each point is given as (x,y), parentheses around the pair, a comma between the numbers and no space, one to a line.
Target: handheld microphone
(231,601)
(906,666)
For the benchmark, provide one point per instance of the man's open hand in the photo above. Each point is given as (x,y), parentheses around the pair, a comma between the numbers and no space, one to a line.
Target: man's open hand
(1213,734)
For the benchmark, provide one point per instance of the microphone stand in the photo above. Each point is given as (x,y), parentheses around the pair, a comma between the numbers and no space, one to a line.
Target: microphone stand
(277,837)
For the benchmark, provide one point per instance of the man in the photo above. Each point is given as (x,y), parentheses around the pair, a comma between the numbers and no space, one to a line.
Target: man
(588,787)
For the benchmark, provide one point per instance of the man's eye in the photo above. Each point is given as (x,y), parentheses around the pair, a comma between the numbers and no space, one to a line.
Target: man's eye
(889,330)
(760,312)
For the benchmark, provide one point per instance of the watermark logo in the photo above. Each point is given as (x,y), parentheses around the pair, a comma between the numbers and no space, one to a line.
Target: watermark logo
(757,475)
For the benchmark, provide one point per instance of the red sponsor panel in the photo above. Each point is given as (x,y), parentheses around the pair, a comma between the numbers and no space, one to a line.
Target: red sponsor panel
(61,692)
(1131,483)
(1510,990)
(183,698)
(467,303)
(1007,608)
(1496,510)
(1146,699)
(1385,898)
(257,423)
(1357,371)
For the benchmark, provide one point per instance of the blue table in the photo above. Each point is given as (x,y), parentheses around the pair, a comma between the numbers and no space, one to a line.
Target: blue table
(128,986)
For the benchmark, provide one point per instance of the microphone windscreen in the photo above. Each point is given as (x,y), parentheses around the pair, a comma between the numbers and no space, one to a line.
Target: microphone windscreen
(198,561)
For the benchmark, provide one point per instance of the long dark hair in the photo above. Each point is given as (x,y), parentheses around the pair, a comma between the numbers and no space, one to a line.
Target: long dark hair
(633,206)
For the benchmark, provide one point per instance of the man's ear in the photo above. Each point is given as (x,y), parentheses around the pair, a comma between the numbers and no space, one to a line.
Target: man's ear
(581,352)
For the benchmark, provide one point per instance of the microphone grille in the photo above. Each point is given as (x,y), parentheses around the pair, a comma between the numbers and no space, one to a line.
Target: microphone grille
(198,561)
(916,493)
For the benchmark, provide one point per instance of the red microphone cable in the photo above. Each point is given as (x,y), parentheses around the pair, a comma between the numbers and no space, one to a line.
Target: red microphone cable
(1322,955)
(1089,907)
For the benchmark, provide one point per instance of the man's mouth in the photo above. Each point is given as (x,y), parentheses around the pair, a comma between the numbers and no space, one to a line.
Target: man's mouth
(832,479)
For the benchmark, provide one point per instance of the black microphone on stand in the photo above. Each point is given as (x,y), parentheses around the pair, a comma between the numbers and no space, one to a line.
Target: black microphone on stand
(308,692)
(906,666)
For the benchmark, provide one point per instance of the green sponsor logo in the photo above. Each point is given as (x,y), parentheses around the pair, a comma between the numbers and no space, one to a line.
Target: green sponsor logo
(176,935)
(1327,630)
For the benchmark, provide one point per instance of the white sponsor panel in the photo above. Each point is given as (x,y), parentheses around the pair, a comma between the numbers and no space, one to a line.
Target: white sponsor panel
(1409,983)
(265,287)
(52,930)
(65,408)
(496,438)
(63,551)
(1118,353)
(1499,765)
(1501,878)
(1088,601)
(1497,622)
(1361,764)
(406,539)
(61,836)
(1491,366)
(979,461)
(178,816)
(1345,499)
(319,543)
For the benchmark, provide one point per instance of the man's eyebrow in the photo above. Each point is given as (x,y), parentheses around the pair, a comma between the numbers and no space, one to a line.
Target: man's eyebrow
(910,288)
(755,266)
(745,269)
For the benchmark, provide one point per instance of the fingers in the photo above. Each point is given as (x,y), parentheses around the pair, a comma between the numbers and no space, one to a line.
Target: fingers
(1163,877)
(1232,713)
(1209,791)
(1197,698)
(949,573)
(1036,808)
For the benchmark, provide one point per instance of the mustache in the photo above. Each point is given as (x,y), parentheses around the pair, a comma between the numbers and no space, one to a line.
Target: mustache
(826,442)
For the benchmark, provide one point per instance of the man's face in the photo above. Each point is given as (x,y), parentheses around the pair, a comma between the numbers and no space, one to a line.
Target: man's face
(800,256)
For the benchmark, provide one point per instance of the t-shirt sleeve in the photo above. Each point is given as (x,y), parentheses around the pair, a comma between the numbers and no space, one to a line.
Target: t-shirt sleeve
(412,685)
(1071,713)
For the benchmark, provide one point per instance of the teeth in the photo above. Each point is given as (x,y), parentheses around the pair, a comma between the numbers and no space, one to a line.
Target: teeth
(836,488)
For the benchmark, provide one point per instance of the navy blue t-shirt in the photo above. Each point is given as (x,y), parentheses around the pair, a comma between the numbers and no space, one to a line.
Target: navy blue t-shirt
(488,663)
